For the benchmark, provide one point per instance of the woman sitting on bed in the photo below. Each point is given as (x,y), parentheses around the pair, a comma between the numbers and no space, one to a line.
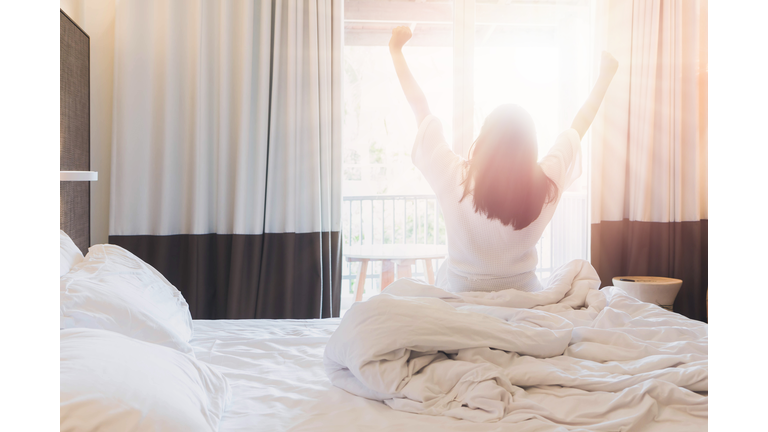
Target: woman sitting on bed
(496,204)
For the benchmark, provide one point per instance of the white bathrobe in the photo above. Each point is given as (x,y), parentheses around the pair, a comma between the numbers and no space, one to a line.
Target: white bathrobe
(483,254)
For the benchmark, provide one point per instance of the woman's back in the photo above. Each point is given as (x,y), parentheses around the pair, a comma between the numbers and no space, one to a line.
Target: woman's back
(484,254)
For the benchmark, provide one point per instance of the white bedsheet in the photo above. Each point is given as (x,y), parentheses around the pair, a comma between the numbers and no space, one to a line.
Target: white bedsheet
(277,378)
(580,358)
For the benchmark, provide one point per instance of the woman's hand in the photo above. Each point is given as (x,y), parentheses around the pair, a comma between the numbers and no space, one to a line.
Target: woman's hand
(400,35)
(608,64)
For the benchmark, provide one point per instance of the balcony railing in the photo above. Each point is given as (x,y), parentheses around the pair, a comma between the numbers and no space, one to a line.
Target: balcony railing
(418,219)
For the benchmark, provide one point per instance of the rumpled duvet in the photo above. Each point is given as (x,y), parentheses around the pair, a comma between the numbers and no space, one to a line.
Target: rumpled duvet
(570,356)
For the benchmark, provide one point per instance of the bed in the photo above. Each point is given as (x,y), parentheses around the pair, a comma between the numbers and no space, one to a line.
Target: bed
(279,382)
(275,369)
(415,357)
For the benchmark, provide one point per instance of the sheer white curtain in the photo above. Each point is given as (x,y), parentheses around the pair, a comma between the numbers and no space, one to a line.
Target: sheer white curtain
(226,151)
(649,153)
(650,142)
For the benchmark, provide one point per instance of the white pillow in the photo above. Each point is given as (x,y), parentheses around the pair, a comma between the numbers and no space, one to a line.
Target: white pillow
(112,289)
(110,382)
(70,253)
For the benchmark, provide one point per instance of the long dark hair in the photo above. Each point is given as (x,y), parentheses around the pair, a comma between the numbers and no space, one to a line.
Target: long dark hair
(503,175)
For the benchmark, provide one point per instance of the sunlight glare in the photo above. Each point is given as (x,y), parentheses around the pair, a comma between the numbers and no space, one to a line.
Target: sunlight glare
(537,64)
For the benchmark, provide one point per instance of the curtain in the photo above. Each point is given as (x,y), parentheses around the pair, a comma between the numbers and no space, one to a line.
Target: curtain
(649,157)
(226,152)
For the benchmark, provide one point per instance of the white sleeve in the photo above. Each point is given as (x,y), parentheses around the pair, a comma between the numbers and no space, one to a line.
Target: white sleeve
(563,162)
(432,155)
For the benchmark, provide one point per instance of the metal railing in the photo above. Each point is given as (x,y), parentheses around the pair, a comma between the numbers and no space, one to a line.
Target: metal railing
(419,224)
(418,219)
(388,219)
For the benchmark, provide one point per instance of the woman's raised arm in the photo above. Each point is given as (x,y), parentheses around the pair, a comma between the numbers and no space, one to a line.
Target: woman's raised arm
(416,98)
(586,114)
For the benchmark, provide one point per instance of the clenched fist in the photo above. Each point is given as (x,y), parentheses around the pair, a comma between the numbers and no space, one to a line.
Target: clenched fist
(608,64)
(400,35)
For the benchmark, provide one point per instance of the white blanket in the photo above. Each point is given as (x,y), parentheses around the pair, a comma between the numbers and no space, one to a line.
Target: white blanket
(571,355)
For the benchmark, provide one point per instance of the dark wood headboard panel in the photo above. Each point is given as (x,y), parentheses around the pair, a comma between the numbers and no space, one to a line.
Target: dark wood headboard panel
(75,131)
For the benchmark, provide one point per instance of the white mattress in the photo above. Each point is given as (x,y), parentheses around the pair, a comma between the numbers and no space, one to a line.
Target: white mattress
(275,369)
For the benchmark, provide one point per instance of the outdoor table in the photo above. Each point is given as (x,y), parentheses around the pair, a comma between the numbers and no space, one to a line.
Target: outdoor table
(402,255)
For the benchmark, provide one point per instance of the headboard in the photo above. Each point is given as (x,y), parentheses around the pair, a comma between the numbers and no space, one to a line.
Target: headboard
(75,131)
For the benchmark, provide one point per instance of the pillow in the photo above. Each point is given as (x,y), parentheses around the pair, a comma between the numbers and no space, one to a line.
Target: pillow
(110,382)
(112,289)
(70,254)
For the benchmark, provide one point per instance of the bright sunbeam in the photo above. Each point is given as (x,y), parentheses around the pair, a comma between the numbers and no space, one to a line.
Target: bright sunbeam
(524,75)
(537,64)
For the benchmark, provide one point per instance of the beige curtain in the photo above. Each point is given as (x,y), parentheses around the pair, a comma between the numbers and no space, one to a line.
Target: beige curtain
(649,158)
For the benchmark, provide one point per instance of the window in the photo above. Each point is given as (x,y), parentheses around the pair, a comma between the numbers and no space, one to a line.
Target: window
(469,56)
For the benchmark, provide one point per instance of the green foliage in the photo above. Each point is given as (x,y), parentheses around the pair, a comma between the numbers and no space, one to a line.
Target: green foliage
(351,156)
(376,153)
(353,174)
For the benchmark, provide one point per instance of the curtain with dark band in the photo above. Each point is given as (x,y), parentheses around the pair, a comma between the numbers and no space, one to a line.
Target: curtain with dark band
(226,152)
(649,156)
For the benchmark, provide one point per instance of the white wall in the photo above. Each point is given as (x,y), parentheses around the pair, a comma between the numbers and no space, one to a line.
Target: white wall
(73,8)
(97,18)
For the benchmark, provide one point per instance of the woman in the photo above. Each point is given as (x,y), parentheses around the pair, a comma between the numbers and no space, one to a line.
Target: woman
(496,204)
